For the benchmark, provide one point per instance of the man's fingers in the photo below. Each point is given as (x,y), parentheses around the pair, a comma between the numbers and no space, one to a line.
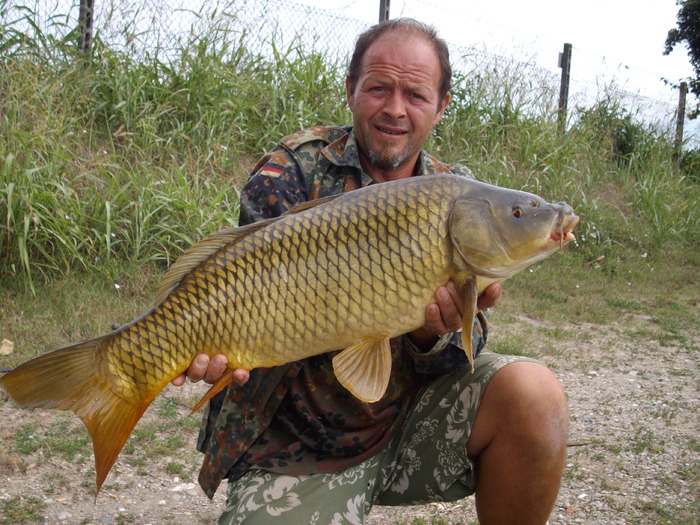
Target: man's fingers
(490,297)
(215,369)
(450,308)
(433,319)
(209,369)
(198,369)
(240,376)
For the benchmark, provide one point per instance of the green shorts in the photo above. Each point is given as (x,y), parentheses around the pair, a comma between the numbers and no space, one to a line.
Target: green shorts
(426,462)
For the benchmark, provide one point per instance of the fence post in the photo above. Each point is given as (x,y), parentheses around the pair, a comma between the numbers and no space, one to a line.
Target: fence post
(680,118)
(565,65)
(383,10)
(85,25)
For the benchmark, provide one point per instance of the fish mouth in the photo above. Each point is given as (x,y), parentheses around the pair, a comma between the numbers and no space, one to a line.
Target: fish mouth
(564,234)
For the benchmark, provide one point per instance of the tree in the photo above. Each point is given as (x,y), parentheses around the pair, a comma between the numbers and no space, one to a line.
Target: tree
(688,31)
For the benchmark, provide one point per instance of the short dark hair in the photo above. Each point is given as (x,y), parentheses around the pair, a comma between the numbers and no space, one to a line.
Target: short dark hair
(408,25)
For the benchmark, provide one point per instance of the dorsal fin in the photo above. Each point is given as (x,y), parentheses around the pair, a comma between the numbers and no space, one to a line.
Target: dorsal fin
(310,204)
(198,252)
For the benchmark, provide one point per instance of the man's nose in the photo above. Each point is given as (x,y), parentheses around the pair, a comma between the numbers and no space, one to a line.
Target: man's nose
(394,105)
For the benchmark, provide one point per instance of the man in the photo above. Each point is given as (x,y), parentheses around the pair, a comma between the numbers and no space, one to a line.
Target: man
(295,446)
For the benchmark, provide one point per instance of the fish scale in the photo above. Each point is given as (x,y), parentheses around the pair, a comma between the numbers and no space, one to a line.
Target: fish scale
(343,274)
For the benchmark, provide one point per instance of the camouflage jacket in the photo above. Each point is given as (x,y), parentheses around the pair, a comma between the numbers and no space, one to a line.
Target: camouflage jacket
(297,418)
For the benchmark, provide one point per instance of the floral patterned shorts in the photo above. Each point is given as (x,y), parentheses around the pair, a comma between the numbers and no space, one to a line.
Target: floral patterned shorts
(426,462)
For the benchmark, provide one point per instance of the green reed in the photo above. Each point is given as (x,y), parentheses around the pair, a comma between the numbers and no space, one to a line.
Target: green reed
(132,157)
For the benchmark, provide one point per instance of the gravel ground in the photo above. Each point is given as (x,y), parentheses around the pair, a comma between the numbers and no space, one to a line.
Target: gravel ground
(634,454)
(634,440)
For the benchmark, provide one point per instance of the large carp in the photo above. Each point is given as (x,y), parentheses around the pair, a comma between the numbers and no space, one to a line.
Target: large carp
(346,273)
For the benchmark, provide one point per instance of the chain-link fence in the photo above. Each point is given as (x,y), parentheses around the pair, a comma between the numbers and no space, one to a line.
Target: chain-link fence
(149,26)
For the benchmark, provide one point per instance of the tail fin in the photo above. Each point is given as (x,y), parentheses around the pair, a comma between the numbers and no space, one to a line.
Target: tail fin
(70,379)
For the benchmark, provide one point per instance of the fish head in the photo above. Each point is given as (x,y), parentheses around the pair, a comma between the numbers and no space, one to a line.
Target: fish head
(497,232)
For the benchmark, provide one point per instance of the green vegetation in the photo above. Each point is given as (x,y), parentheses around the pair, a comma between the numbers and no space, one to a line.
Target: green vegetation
(113,159)
(111,165)
(421,521)
(65,438)
(17,510)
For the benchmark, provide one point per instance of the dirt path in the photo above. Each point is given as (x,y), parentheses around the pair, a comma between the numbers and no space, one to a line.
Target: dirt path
(634,456)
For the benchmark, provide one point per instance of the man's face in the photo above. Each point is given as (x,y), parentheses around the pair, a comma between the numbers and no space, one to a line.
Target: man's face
(395,102)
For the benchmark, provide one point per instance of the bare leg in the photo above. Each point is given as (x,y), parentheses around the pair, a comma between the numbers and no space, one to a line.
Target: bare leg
(518,443)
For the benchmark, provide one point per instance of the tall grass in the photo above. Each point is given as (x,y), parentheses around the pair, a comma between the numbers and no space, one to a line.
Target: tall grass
(124,159)
(120,157)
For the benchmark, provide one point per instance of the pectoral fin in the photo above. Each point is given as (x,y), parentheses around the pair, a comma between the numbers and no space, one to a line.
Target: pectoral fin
(471,294)
(364,368)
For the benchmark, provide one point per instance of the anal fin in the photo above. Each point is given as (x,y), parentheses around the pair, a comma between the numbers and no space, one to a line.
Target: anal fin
(364,368)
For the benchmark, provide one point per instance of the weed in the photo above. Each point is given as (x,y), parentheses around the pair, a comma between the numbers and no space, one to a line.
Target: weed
(434,520)
(667,514)
(174,468)
(666,413)
(25,440)
(68,439)
(690,473)
(18,510)
(145,433)
(168,407)
(645,441)
(166,446)
(138,461)
(516,345)
(162,438)
(69,443)
(56,482)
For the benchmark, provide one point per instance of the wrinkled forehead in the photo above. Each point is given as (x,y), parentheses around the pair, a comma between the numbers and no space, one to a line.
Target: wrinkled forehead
(403,51)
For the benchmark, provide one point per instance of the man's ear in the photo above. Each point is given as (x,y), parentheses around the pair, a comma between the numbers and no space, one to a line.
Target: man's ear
(441,107)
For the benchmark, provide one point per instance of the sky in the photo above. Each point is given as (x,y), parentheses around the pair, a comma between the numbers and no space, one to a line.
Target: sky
(620,40)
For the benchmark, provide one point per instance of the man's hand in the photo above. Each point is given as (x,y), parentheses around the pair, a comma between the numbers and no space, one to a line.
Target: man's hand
(210,370)
(445,314)
(490,297)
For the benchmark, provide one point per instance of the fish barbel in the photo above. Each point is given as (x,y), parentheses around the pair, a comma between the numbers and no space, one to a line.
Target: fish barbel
(346,273)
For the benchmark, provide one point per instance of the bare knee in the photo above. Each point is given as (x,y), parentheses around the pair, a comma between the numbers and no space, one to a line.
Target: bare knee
(524,402)
(518,443)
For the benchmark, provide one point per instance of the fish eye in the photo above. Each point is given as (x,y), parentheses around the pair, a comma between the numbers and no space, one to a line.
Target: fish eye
(517,212)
